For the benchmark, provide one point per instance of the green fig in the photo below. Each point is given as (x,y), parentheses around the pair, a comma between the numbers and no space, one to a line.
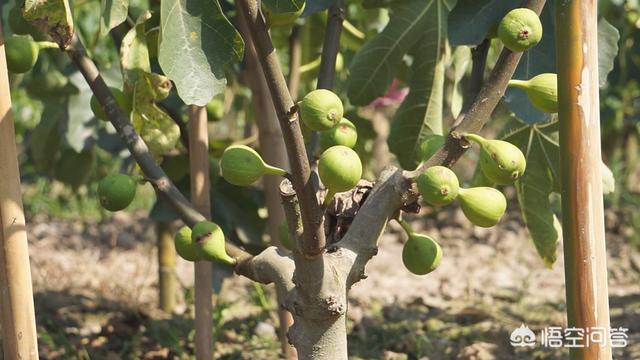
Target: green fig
(184,244)
(500,161)
(321,110)
(520,29)
(429,146)
(483,206)
(438,185)
(421,254)
(21,53)
(17,23)
(340,170)
(242,166)
(215,109)
(280,18)
(116,191)
(283,235)
(344,133)
(208,239)
(123,101)
(542,91)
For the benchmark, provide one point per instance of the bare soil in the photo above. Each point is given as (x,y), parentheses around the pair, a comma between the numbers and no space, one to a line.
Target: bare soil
(95,291)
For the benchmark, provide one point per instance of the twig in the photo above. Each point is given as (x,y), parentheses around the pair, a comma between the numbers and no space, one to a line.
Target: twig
(313,239)
(481,108)
(291,212)
(139,150)
(330,49)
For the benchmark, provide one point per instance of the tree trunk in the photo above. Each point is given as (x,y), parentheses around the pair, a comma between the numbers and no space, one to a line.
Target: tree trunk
(582,204)
(17,313)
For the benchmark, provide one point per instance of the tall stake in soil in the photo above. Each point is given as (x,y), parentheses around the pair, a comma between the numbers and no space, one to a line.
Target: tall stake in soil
(166,266)
(200,188)
(17,314)
(582,204)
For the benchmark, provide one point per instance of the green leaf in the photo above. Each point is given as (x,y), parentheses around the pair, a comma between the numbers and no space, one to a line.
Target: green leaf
(53,17)
(197,42)
(285,6)
(113,13)
(79,125)
(535,187)
(470,20)
(134,53)
(420,114)
(460,61)
(44,140)
(374,66)
(608,37)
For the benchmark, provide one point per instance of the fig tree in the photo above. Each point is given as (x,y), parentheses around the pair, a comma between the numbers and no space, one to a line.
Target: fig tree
(520,29)
(116,191)
(184,244)
(280,18)
(342,134)
(438,185)
(321,110)
(500,161)
(421,254)
(542,91)
(429,146)
(340,170)
(122,99)
(242,166)
(21,53)
(208,240)
(483,206)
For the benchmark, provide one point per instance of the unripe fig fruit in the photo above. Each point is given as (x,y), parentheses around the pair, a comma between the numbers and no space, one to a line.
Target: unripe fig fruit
(542,91)
(116,191)
(321,110)
(340,170)
(520,29)
(500,161)
(17,23)
(21,53)
(123,101)
(215,109)
(283,235)
(208,239)
(280,18)
(184,244)
(438,185)
(242,166)
(344,133)
(429,146)
(421,254)
(483,206)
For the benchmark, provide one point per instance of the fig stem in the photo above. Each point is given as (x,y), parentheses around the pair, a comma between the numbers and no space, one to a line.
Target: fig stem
(47,45)
(521,84)
(475,138)
(272,170)
(328,197)
(406,227)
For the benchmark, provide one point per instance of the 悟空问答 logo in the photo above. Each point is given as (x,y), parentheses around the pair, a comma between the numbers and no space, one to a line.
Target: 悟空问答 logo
(522,336)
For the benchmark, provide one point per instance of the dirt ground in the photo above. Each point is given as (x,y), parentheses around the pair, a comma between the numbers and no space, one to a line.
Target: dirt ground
(95,292)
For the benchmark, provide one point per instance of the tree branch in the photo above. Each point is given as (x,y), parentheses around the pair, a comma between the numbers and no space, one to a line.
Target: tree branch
(327,71)
(139,150)
(482,107)
(313,238)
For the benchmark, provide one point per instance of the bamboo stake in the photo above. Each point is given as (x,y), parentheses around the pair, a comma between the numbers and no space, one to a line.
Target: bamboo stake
(582,205)
(200,188)
(19,337)
(166,266)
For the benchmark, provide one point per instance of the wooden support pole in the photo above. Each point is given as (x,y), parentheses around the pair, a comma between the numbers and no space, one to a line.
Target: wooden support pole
(582,204)
(19,337)
(200,189)
(166,266)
